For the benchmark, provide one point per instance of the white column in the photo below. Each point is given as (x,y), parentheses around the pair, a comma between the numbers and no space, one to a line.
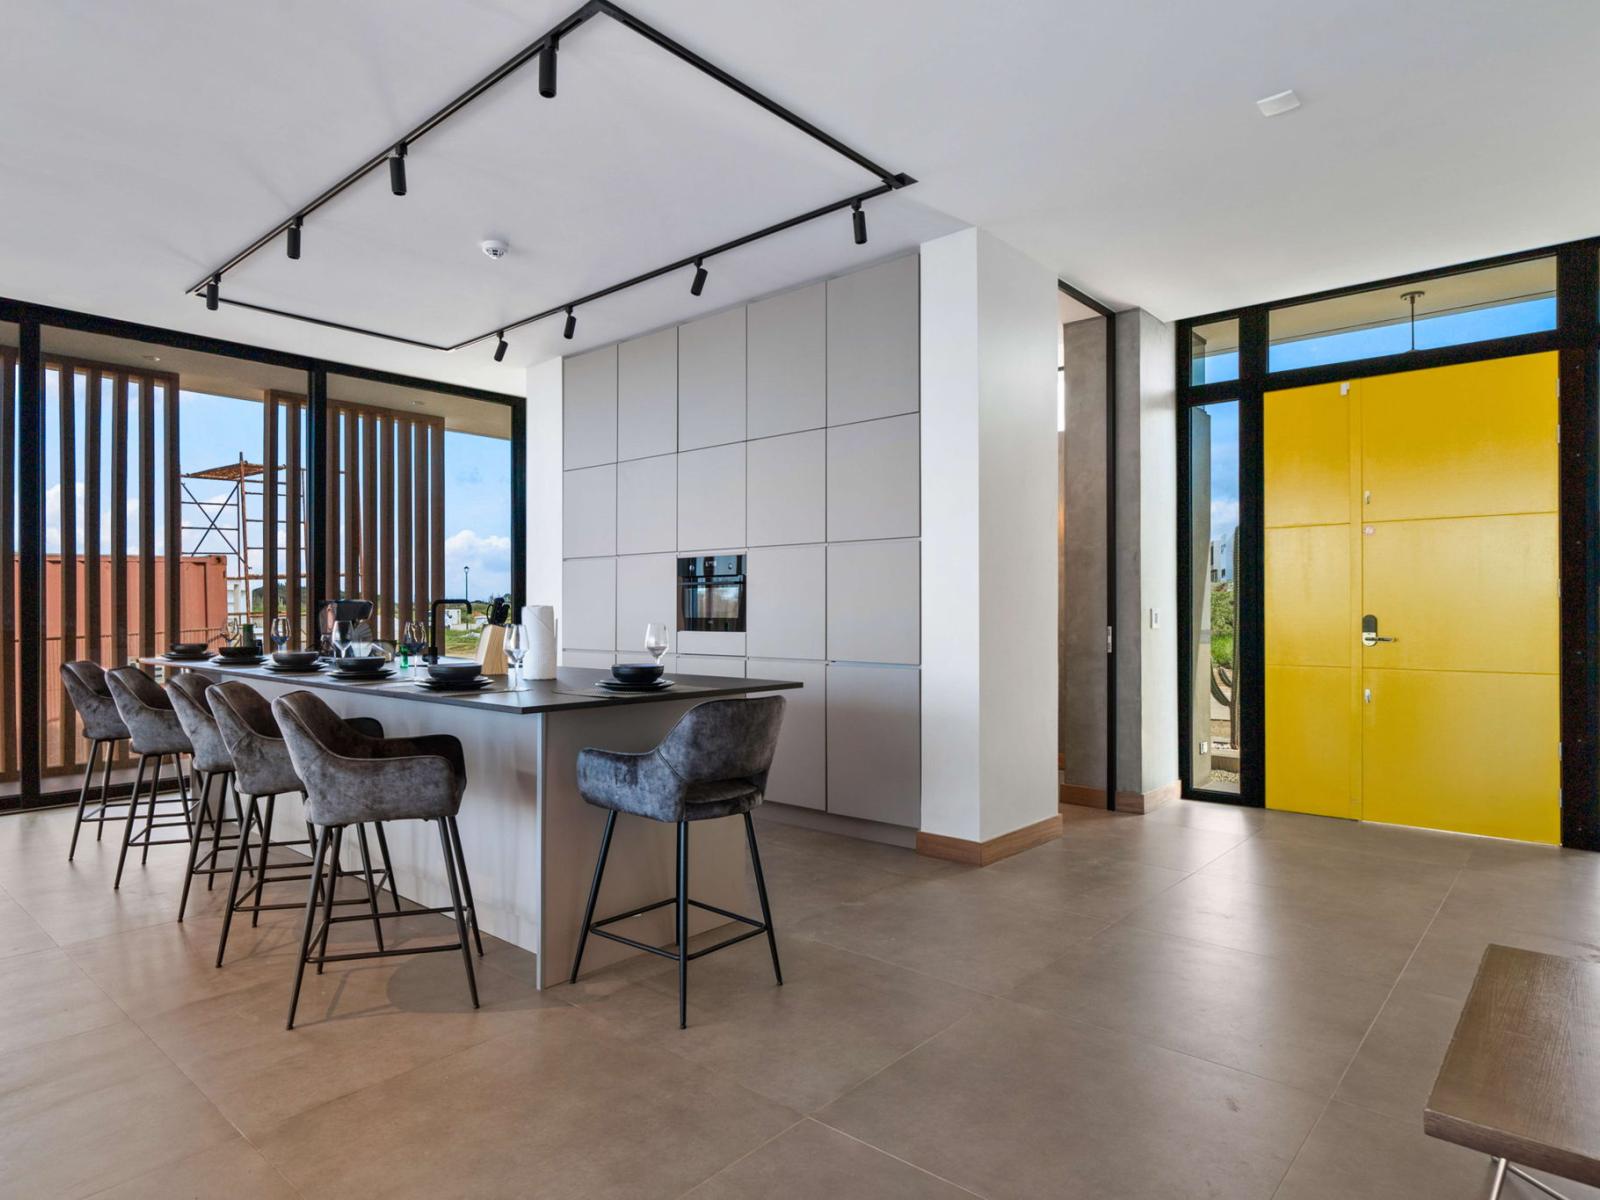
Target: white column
(544,452)
(989,330)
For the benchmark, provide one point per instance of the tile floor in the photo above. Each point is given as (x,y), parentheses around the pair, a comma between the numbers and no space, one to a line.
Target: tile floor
(1203,1002)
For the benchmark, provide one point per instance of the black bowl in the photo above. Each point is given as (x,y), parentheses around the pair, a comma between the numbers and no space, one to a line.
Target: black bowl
(239,651)
(295,658)
(365,665)
(637,672)
(186,649)
(448,671)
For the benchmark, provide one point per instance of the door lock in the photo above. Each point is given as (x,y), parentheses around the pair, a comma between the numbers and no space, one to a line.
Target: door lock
(1369,631)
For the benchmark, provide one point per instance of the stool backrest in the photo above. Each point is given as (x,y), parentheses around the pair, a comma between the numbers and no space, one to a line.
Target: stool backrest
(725,739)
(261,763)
(147,712)
(188,695)
(85,683)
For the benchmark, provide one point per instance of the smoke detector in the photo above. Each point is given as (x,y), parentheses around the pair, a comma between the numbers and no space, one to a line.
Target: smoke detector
(495,248)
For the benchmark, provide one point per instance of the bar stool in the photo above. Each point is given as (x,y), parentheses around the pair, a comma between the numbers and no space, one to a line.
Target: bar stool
(713,763)
(263,771)
(211,763)
(155,733)
(85,684)
(351,778)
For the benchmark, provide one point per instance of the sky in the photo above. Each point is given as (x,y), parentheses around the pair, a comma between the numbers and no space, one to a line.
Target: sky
(216,430)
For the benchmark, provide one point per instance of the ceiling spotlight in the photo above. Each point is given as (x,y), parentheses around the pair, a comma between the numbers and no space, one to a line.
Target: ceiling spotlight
(211,292)
(859,220)
(1282,102)
(500,345)
(547,70)
(572,325)
(699,284)
(397,170)
(294,236)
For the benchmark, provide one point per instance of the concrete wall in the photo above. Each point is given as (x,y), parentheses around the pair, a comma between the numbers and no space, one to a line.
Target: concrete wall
(989,331)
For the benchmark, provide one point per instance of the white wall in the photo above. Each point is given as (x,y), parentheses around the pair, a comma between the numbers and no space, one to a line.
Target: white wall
(989,332)
(544,485)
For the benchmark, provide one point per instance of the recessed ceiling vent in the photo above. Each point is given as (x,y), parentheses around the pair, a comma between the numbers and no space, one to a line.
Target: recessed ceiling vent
(1272,106)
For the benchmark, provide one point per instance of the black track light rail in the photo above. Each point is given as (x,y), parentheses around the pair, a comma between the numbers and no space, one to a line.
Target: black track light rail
(209,286)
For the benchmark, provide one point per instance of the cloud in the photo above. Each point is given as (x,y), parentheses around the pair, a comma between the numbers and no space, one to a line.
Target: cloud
(489,556)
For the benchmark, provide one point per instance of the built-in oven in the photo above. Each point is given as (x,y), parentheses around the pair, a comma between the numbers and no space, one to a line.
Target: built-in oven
(711,593)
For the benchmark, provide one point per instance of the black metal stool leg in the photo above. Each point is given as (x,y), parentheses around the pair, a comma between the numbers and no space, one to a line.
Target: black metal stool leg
(388,867)
(311,913)
(594,892)
(461,920)
(216,818)
(266,852)
(761,891)
(238,866)
(83,797)
(466,883)
(372,892)
(127,829)
(105,790)
(327,897)
(683,924)
(194,850)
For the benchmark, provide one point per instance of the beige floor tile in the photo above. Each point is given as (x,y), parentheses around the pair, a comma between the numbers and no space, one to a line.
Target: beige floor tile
(1336,879)
(233,1169)
(1555,904)
(1101,887)
(1138,839)
(803,882)
(1226,910)
(560,1109)
(1201,814)
(1446,959)
(81,1113)
(44,996)
(20,933)
(838,1017)
(812,1160)
(1368,837)
(836,848)
(1398,1062)
(1013,1102)
(984,940)
(1296,1025)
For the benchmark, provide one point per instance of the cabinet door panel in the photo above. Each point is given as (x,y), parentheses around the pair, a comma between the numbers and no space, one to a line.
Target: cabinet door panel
(711,498)
(646,592)
(788,489)
(711,368)
(589,408)
(874,480)
(589,512)
(874,350)
(647,505)
(788,372)
(647,395)
(875,743)
(800,767)
(787,598)
(589,604)
(874,602)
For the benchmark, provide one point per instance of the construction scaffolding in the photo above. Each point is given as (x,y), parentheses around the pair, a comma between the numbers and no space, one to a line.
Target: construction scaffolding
(231,525)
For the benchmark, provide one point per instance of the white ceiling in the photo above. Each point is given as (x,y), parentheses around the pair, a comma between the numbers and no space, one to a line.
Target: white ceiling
(1119,144)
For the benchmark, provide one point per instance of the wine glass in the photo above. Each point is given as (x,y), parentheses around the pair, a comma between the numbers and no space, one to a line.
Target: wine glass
(280,632)
(361,639)
(413,641)
(655,640)
(340,636)
(517,642)
(233,631)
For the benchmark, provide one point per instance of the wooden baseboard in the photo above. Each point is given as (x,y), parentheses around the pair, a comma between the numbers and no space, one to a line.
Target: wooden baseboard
(1127,802)
(981,854)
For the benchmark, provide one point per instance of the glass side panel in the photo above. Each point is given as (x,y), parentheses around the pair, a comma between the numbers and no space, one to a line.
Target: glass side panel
(1212,742)
(1214,352)
(1450,310)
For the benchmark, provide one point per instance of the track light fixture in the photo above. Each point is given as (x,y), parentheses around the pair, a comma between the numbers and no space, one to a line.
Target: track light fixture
(294,236)
(859,220)
(500,346)
(397,170)
(547,70)
(211,292)
(699,284)
(572,324)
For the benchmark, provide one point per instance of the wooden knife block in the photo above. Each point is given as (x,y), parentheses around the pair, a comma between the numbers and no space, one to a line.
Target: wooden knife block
(492,650)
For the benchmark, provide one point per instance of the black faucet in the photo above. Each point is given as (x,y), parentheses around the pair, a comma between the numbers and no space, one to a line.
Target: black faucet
(435,647)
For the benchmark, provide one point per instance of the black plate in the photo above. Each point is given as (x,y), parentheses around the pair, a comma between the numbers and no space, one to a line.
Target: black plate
(201,657)
(617,685)
(455,685)
(236,661)
(278,670)
(361,676)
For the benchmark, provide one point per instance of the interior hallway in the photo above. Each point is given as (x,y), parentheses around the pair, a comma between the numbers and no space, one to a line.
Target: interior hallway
(1204,1001)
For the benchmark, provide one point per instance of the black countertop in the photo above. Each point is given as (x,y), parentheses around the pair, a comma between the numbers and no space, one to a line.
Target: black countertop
(572,688)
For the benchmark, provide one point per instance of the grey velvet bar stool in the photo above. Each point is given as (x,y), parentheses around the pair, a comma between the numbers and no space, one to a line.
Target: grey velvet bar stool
(212,765)
(263,771)
(713,763)
(85,684)
(155,734)
(350,779)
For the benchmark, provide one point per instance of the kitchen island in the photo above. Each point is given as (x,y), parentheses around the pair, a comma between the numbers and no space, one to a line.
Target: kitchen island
(529,839)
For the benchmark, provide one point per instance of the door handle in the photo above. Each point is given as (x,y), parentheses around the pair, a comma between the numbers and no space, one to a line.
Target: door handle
(1369,631)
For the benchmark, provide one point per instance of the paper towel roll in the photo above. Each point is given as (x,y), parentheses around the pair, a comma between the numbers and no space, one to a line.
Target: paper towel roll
(540,622)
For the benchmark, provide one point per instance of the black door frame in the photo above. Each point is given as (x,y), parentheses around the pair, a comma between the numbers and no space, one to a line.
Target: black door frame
(1110,317)
(32,320)
(1576,339)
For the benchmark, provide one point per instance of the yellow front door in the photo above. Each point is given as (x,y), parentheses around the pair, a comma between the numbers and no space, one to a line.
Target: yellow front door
(1442,538)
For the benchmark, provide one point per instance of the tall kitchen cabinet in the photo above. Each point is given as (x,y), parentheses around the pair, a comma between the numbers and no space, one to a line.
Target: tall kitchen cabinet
(788,430)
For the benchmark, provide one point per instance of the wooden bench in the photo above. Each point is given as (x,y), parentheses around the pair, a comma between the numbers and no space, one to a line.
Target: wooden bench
(1521,1080)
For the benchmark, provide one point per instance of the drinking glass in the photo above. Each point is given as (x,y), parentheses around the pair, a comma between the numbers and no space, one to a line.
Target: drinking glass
(413,641)
(342,632)
(655,640)
(517,641)
(361,639)
(280,632)
(233,631)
